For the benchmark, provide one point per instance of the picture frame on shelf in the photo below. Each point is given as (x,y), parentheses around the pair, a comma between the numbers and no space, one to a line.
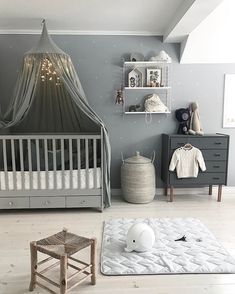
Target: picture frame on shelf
(154,77)
(135,78)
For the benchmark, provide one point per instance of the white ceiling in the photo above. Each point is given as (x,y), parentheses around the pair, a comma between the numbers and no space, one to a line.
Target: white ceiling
(196,24)
(141,17)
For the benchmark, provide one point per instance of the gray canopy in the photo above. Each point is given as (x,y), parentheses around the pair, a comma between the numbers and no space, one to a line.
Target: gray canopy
(48,97)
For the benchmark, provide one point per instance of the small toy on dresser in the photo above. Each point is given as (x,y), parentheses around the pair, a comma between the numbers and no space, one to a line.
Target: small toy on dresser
(183,117)
(195,127)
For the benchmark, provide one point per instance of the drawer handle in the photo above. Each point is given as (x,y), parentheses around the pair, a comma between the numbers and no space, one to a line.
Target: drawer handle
(217,143)
(217,155)
(46,202)
(216,178)
(10,203)
(216,166)
(83,201)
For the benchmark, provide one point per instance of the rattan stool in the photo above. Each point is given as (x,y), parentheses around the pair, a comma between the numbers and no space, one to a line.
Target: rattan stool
(62,246)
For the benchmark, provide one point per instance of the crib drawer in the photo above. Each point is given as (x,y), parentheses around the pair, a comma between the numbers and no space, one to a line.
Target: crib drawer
(14,202)
(47,202)
(83,201)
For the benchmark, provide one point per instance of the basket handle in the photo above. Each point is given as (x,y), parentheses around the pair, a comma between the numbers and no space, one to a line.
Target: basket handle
(122,157)
(153,156)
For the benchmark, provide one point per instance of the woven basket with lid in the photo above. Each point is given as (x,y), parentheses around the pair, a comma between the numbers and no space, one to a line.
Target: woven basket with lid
(138,179)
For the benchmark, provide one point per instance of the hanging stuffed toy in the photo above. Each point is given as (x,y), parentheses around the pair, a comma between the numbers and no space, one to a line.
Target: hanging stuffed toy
(183,117)
(195,124)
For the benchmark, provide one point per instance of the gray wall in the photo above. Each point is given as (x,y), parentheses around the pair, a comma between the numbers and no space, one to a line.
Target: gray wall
(98,60)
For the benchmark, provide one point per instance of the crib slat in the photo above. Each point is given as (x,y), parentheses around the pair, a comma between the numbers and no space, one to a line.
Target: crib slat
(79,163)
(54,164)
(46,163)
(22,165)
(87,163)
(95,163)
(70,164)
(13,162)
(38,164)
(5,165)
(30,164)
(62,163)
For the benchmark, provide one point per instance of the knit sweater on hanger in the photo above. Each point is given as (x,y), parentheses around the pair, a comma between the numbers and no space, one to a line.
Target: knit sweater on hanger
(187,161)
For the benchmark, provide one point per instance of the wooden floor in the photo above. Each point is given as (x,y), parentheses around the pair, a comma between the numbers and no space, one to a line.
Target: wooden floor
(18,228)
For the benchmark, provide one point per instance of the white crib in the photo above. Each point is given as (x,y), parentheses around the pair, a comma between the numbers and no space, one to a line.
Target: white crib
(51,171)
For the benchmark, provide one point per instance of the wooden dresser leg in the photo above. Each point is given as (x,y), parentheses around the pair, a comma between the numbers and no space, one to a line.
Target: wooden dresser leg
(210,190)
(171,194)
(219,193)
(34,262)
(166,191)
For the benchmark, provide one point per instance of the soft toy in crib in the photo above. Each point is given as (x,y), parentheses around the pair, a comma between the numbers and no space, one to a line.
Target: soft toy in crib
(195,124)
(140,237)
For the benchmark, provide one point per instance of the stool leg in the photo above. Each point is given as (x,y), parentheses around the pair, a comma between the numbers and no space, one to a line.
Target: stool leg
(93,257)
(63,273)
(34,261)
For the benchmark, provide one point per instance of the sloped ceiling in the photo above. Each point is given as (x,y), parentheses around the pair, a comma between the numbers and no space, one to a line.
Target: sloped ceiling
(213,40)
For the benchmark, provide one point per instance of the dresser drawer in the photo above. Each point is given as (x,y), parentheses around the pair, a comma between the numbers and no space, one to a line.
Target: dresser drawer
(204,178)
(47,202)
(215,155)
(216,166)
(83,201)
(200,142)
(14,202)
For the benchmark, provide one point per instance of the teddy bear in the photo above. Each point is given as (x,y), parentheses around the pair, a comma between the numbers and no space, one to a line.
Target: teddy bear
(195,127)
(183,117)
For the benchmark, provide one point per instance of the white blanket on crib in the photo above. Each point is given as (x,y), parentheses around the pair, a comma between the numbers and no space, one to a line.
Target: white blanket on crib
(56,180)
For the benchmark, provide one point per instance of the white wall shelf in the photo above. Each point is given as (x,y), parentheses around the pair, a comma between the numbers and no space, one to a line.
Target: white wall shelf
(136,84)
(145,112)
(147,88)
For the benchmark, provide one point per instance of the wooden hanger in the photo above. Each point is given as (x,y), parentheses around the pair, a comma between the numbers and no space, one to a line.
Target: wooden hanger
(188,146)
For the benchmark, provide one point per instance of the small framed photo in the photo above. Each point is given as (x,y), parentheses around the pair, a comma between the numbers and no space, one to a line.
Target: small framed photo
(154,77)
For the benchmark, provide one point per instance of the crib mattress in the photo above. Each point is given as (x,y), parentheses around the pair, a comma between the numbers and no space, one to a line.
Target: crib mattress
(75,179)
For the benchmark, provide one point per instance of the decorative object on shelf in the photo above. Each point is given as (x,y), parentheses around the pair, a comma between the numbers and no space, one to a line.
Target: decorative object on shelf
(140,238)
(162,56)
(153,77)
(134,108)
(135,78)
(136,56)
(153,103)
(183,117)
(195,124)
(119,97)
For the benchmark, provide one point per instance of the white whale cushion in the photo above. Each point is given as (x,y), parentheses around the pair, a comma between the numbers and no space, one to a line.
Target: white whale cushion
(202,253)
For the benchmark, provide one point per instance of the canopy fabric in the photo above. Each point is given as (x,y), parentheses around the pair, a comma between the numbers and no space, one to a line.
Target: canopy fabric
(48,97)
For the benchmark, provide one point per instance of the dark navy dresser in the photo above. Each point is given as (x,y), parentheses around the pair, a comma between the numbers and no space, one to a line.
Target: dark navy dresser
(214,148)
